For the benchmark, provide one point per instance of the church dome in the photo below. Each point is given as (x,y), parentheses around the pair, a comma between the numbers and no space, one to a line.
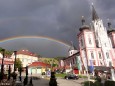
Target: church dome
(110,29)
(84,26)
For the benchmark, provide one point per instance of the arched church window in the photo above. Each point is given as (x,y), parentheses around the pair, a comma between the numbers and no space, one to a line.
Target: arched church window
(107,55)
(105,45)
(94,62)
(81,42)
(71,53)
(89,39)
(110,64)
(101,63)
(92,55)
(99,54)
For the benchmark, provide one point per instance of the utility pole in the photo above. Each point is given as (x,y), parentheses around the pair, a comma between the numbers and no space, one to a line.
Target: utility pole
(2,66)
(15,54)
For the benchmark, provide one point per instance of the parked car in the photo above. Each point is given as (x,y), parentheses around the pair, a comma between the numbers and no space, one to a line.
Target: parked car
(71,76)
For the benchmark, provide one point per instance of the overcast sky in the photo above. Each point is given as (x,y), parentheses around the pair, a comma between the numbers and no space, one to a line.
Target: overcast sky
(58,19)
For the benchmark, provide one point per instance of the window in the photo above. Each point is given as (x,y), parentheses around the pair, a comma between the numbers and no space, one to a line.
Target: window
(90,40)
(81,42)
(105,45)
(71,53)
(110,64)
(101,63)
(99,54)
(94,62)
(107,55)
(92,55)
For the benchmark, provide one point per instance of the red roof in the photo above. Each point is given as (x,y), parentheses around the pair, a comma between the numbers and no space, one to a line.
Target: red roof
(7,62)
(26,52)
(39,64)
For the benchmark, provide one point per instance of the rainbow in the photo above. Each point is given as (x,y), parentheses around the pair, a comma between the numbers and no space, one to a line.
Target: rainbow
(38,37)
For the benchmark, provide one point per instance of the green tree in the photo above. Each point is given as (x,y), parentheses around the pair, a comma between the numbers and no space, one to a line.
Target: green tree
(45,61)
(18,63)
(7,52)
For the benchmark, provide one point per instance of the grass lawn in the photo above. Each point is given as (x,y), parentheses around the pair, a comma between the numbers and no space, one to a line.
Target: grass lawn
(60,75)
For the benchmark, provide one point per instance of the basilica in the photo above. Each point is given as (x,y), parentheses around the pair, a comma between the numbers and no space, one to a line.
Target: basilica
(96,46)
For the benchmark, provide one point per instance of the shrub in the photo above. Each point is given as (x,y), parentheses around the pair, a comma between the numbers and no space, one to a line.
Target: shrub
(109,83)
(98,79)
(88,83)
(80,76)
(97,83)
(84,76)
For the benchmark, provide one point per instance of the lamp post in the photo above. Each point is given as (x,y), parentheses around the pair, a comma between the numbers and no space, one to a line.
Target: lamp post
(2,66)
(26,78)
(15,53)
(20,72)
(9,72)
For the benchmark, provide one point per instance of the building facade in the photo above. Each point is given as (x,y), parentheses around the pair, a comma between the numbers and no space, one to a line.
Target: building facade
(38,68)
(26,57)
(7,62)
(96,45)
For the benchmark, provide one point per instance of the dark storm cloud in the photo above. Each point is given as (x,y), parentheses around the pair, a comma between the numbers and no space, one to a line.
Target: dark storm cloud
(54,18)
(59,19)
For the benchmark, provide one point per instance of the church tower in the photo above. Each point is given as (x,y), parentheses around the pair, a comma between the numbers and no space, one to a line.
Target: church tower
(72,49)
(101,38)
(87,45)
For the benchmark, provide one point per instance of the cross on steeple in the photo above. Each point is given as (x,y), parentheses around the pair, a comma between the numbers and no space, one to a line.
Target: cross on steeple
(83,20)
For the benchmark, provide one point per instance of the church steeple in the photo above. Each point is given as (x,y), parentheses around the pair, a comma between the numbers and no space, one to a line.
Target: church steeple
(94,14)
(72,46)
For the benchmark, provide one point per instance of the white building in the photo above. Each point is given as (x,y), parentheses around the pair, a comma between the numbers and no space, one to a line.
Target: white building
(26,57)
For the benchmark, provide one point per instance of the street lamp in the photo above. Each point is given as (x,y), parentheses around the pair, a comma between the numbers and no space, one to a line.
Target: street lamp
(15,53)
(2,65)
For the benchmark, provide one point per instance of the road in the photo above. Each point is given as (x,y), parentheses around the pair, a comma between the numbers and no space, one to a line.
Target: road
(63,82)
(60,81)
